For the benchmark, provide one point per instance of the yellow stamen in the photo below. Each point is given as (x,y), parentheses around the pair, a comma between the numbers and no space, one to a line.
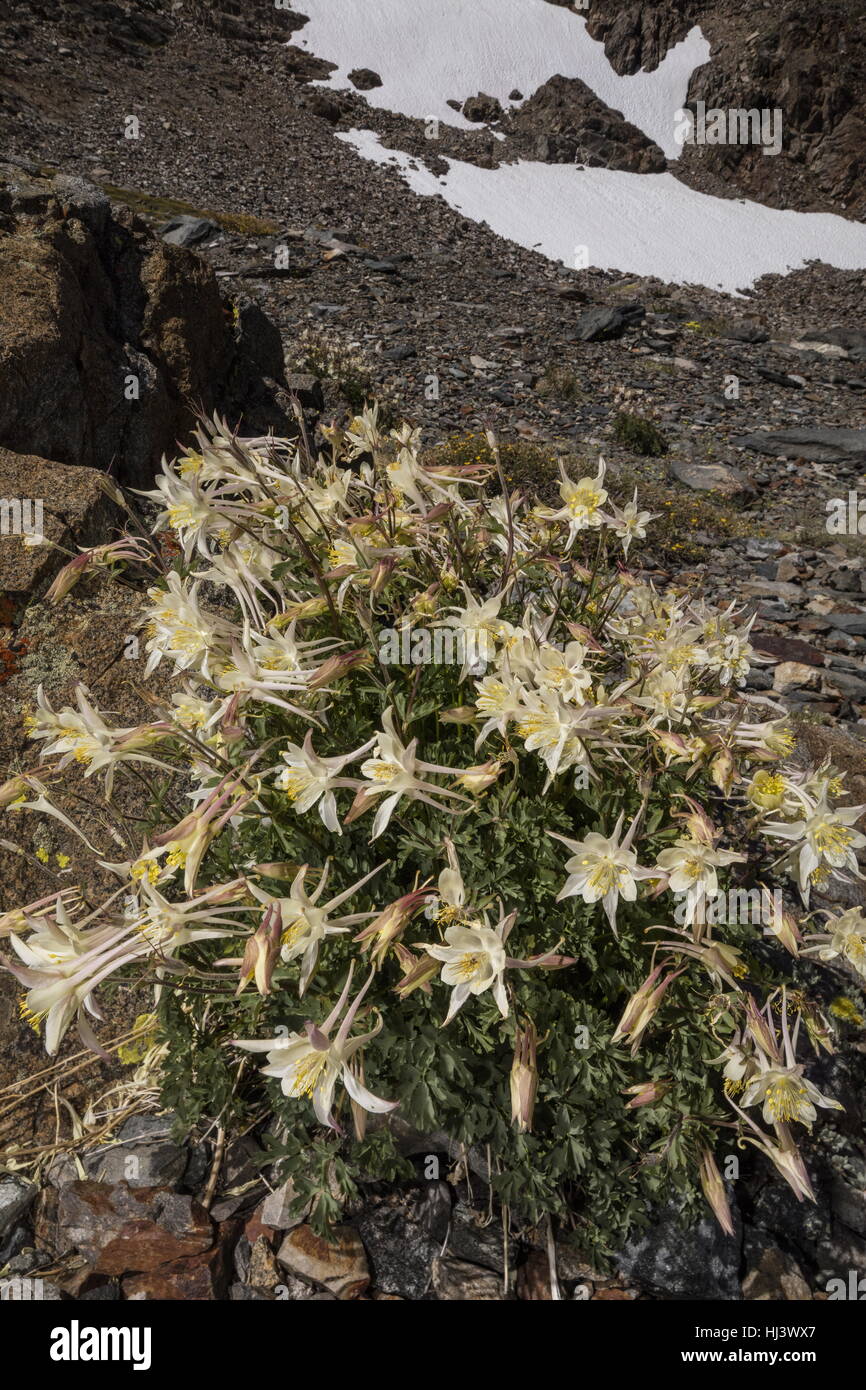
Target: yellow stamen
(469,965)
(306,1073)
(785,1100)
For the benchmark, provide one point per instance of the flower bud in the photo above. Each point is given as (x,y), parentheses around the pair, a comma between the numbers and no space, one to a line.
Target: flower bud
(381,573)
(714,1191)
(276,869)
(646,1093)
(642,1007)
(524,1076)
(261,952)
(69,576)
(698,823)
(336,667)
(674,745)
(420,970)
(391,923)
(761,1031)
(723,771)
(12,790)
(478,779)
(424,604)
(780,922)
(462,714)
(310,608)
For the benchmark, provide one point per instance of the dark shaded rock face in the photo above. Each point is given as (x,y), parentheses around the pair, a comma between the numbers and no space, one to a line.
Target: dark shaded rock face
(638,36)
(805,61)
(601,324)
(236,20)
(111,339)
(564,122)
(698,1262)
(402,1234)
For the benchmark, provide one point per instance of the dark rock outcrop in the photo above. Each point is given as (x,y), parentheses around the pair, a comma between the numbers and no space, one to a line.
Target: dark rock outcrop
(603,323)
(564,122)
(806,62)
(698,1262)
(111,339)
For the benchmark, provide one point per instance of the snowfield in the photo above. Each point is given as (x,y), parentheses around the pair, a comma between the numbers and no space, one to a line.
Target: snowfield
(428,52)
(644,224)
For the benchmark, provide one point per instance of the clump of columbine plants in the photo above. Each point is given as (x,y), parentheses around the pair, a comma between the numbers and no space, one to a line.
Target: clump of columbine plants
(459,798)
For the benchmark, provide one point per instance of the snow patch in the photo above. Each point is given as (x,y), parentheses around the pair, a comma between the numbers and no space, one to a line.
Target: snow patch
(430,51)
(643,224)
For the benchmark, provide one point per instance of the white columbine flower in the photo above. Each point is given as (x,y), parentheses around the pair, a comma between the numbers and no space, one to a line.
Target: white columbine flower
(474,961)
(787,1095)
(474,958)
(557,731)
(178,627)
(500,699)
(393,773)
(582,502)
(304,924)
(690,866)
(666,695)
(62,964)
(83,736)
(312,1065)
(846,937)
(563,671)
(602,870)
(477,627)
(308,779)
(631,523)
(780,1085)
(824,840)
